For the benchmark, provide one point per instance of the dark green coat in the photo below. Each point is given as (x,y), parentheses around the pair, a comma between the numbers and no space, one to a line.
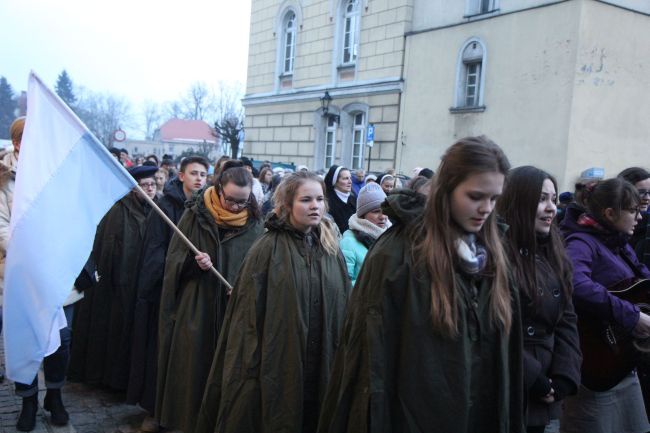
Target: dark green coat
(101,343)
(394,374)
(257,377)
(192,308)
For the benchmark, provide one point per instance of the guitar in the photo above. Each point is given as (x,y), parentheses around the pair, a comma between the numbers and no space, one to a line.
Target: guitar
(609,353)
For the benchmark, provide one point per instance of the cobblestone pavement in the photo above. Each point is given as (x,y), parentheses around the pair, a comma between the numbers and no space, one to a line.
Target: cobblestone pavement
(91,410)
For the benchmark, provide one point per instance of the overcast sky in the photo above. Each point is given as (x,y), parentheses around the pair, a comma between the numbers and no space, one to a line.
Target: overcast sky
(138,49)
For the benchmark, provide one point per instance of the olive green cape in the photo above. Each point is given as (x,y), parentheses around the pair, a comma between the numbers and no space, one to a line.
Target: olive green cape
(256,381)
(192,307)
(393,373)
(101,344)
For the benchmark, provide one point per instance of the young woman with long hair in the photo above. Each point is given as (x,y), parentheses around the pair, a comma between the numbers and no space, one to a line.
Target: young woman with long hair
(432,341)
(282,326)
(597,244)
(543,273)
(223,221)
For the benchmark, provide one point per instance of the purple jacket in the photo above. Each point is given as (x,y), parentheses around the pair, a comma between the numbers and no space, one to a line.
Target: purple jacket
(601,260)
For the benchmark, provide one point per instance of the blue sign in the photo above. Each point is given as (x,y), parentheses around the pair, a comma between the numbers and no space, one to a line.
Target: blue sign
(370,135)
(593,173)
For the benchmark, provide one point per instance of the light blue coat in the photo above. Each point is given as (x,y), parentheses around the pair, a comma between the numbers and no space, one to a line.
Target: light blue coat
(354,253)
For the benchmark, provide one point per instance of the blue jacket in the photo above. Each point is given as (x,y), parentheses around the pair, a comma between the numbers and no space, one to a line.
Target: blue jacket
(354,253)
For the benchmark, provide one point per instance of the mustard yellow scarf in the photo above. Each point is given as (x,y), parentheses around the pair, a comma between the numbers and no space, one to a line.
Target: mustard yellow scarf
(223,217)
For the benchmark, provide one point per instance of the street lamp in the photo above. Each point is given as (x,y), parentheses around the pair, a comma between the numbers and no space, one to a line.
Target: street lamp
(325,101)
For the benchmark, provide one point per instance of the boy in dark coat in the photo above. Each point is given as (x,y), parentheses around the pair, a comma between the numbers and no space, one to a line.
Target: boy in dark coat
(142,379)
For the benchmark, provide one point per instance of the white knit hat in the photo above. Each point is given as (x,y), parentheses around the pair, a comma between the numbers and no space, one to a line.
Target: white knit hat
(370,197)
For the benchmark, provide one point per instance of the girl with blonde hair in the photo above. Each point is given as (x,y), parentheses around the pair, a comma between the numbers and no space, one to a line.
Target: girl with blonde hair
(282,325)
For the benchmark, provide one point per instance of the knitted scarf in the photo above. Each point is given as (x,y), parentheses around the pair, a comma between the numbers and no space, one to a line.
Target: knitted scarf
(223,217)
(365,226)
(472,256)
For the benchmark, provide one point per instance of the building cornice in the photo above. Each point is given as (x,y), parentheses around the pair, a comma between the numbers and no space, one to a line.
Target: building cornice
(366,88)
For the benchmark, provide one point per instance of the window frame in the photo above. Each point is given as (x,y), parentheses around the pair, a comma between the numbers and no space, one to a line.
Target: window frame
(480,7)
(463,76)
(354,19)
(361,129)
(330,129)
(290,17)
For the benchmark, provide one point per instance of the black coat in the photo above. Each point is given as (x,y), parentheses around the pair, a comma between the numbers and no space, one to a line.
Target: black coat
(142,377)
(551,344)
(340,211)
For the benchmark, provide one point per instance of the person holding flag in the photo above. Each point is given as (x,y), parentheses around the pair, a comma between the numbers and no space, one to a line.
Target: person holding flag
(59,160)
(54,365)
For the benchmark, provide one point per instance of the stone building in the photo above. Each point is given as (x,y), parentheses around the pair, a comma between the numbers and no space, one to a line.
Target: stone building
(301,49)
(557,83)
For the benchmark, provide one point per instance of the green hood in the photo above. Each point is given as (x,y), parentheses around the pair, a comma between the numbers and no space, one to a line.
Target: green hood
(404,206)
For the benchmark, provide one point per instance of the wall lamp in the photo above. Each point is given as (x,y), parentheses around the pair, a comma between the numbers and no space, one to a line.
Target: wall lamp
(325,101)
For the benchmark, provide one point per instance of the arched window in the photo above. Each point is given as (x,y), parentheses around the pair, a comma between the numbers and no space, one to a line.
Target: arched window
(289,43)
(350,38)
(470,76)
(330,141)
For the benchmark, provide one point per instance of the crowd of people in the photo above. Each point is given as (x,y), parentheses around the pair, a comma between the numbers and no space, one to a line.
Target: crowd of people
(473,299)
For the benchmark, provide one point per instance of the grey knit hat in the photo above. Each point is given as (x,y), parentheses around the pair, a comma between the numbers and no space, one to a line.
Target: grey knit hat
(370,197)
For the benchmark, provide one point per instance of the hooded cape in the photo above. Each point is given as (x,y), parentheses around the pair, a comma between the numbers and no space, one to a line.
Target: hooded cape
(101,345)
(192,308)
(393,373)
(142,375)
(257,379)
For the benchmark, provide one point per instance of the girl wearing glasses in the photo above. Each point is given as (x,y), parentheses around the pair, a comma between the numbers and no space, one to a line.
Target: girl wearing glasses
(432,339)
(283,323)
(597,245)
(640,178)
(222,221)
(540,266)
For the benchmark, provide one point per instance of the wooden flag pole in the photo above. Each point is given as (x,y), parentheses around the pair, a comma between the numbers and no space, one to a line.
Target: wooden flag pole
(180,233)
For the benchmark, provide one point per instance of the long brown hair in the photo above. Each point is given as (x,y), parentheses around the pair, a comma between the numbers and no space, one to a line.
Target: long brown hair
(435,240)
(518,207)
(284,197)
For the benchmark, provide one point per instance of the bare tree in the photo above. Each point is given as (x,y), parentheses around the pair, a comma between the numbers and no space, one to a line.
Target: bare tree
(229,115)
(103,114)
(197,101)
(152,116)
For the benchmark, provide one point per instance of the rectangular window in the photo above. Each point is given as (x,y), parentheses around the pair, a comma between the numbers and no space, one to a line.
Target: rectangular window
(472,84)
(349,40)
(289,52)
(330,142)
(358,135)
(484,6)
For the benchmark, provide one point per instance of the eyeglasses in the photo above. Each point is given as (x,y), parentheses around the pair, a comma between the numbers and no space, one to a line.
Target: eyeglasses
(634,210)
(239,204)
(644,192)
(147,184)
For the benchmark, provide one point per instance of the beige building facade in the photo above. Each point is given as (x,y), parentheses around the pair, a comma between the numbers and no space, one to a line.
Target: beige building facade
(558,84)
(301,49)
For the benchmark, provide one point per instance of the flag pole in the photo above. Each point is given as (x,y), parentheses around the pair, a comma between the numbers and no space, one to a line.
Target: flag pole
(180,234)
(123,170)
